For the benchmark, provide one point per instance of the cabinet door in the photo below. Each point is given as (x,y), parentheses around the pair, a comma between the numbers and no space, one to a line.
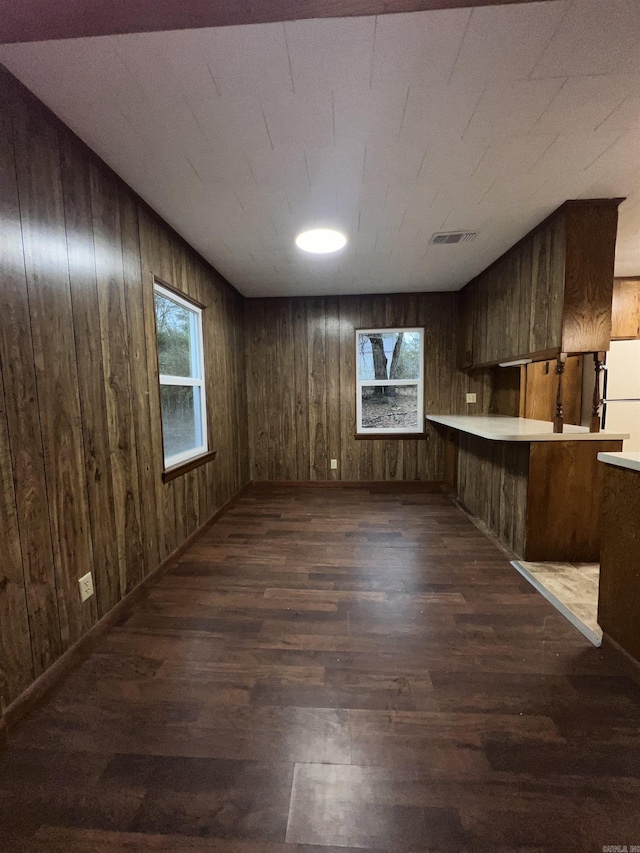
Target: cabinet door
(547,287)
(524,276)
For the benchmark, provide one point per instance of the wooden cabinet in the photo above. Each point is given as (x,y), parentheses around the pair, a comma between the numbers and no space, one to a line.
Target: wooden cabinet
(625,311)
(619,597)
(549,293)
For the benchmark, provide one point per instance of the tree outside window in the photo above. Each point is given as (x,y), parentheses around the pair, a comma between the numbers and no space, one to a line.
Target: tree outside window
(389,394)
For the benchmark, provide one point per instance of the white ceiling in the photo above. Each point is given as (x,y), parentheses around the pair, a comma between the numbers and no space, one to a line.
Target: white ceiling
(389,128)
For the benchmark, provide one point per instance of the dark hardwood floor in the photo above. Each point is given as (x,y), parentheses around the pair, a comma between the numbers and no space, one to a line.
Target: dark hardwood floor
(332,669)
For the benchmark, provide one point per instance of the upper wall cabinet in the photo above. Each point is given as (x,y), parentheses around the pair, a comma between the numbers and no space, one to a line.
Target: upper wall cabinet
(549,293)
(625,320)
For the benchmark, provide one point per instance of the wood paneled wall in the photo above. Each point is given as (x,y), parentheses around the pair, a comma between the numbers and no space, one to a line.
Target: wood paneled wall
(492,483)
(301,380)
(80,444)
(549,293)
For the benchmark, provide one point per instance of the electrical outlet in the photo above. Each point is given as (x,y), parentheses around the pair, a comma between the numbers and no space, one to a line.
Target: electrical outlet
(86,586)
(334,464)
(471,398)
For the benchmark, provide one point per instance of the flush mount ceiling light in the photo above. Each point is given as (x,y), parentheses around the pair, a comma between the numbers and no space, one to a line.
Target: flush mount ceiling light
(320,241)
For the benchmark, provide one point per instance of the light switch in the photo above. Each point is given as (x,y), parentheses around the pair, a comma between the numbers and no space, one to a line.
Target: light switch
(334,464)
(471,398)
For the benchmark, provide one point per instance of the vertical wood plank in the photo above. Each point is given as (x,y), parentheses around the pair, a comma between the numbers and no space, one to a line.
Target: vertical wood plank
(349,321)
(394,449)
(273,393)
(148,240)
(209,491)
(116,358)
(23,419)
(256,381)
(190,284)
(317,368)
(86,322)
(378,308)
(16,663)
(301,373)
(332,373)
(134,305)
(46,266)
(427,447)
(172,530)
(238,382)
(286,393)
(226,402)
(409,468)
(364,448)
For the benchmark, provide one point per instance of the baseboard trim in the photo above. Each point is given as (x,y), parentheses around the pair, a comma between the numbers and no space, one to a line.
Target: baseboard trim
(40,689)
(377,485)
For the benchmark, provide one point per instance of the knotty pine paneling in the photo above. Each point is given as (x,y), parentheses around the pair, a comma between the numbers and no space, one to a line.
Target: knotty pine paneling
(301,381)
(80,440)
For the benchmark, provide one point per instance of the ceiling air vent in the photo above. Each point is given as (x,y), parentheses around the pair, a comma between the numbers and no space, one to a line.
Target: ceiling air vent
(453,237)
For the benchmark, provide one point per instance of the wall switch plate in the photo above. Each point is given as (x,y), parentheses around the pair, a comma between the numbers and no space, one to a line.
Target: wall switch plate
(471,398)
(86,586)
(334,464)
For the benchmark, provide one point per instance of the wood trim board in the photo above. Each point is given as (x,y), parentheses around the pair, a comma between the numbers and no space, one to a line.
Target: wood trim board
(40,20)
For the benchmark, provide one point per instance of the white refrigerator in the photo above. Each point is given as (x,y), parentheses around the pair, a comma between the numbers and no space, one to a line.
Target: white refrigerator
(621,392)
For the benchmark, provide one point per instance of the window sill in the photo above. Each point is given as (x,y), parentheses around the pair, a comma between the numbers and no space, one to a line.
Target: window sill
(184,467)
(390,436)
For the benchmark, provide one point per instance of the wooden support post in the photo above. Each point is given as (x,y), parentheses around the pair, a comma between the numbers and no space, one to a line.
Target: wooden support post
(522,403)
(558,422)
(594,426)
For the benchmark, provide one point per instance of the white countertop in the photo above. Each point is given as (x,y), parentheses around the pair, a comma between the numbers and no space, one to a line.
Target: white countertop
(503,428)
(629,460)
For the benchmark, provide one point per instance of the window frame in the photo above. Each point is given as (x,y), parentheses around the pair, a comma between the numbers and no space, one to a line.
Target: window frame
(188,459)
(390,432)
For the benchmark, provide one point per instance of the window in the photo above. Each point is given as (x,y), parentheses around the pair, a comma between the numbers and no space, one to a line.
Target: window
(181,368)
(389,380)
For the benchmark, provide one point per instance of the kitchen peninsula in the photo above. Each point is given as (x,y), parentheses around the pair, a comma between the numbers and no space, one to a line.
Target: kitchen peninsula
(537,491)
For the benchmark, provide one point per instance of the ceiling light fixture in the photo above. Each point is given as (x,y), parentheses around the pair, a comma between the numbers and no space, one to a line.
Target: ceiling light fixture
(320,241)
